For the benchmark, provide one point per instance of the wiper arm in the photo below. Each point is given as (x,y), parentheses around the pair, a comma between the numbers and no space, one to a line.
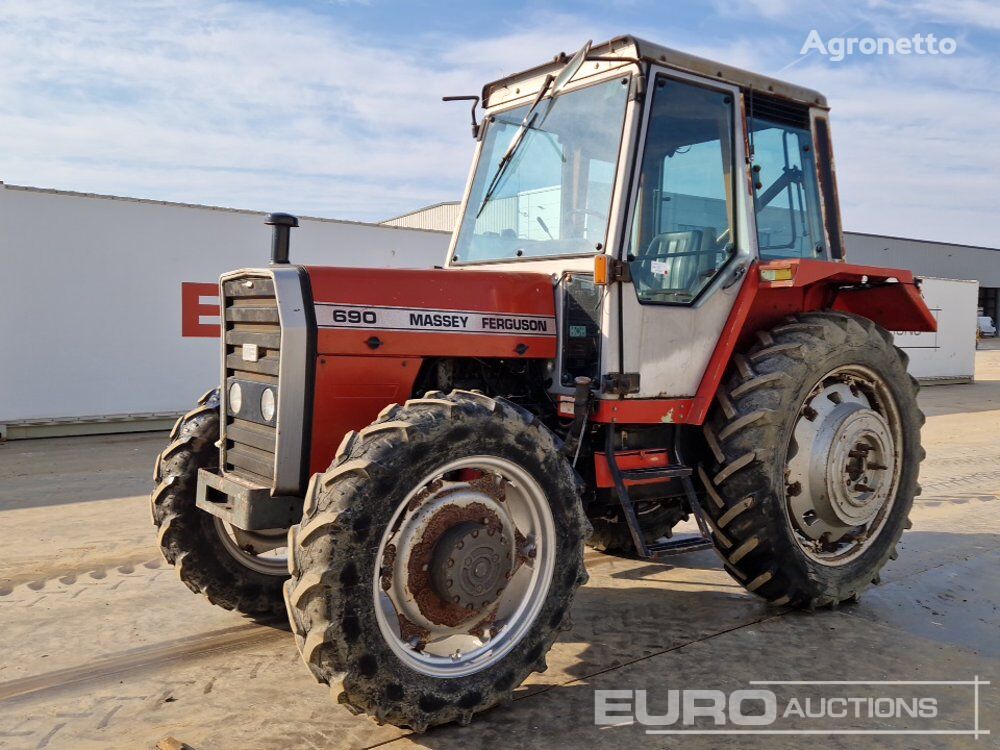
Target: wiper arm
(558,83)
(515,144)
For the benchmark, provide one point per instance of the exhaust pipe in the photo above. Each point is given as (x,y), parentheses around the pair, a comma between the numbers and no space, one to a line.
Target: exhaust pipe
(282,224)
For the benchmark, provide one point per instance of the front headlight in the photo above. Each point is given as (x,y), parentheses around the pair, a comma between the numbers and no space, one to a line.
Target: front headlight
(267,404)
(235,398)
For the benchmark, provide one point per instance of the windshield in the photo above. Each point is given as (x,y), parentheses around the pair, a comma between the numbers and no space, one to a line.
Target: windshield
(554,196)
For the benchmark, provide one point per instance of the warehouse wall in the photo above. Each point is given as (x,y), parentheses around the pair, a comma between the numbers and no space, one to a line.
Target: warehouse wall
(926,258)
(90,296)
(441,216)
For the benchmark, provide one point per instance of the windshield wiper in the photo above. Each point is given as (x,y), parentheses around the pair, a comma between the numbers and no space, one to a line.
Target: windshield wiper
(515,144)
(569,70)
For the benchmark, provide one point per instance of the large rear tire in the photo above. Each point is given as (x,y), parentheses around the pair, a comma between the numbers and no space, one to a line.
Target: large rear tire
(815,452)
(437,559)
(211,558)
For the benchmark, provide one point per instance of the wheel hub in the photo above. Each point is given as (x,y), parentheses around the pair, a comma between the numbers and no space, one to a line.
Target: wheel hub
(453,558)
(842,467)
(471,565)
(464,566)
(851,470)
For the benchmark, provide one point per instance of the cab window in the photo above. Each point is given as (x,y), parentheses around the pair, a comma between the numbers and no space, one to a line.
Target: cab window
(786,194)
(683,228)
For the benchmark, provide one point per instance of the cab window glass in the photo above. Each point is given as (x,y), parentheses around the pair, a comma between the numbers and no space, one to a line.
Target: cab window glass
(786,194)
(682,234)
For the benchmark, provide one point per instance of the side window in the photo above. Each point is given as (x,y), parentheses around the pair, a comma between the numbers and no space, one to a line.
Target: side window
(786,194)
(683,231)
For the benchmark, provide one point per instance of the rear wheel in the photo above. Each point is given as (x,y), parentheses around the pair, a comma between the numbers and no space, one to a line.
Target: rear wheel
(816,446)
(437,559)
(234,569)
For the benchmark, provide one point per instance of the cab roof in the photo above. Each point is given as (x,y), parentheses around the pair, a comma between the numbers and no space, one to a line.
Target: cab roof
(630,49)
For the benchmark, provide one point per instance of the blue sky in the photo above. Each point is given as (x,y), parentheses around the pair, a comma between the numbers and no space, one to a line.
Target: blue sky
(332,108)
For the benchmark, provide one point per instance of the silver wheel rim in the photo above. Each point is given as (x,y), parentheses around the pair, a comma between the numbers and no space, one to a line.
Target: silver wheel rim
(263,551)
(843,465)
(410,612)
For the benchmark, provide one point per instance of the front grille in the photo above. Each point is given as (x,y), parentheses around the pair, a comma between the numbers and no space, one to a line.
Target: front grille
(250,319)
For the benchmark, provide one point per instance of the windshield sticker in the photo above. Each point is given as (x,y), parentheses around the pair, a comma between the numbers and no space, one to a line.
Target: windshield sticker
(360,317)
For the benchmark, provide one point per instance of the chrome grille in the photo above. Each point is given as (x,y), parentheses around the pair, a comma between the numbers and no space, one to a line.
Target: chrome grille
(252,355)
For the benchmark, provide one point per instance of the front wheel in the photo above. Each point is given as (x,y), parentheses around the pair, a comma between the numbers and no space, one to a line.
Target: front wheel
(815,441)
(437,559)
(234,569)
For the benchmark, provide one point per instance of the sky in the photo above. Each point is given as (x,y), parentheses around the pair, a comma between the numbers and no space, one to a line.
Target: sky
(333,107)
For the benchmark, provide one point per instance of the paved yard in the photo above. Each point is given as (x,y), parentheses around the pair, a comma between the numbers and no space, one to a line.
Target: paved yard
(102,646)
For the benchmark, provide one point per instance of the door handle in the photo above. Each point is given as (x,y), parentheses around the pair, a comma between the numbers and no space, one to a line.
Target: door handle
(739,270)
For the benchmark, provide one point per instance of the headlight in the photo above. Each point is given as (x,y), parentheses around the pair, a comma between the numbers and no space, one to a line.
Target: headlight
(235,398)
(267,404)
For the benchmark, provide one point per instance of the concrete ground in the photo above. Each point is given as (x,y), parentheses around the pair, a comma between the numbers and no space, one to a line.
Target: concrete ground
(102,646)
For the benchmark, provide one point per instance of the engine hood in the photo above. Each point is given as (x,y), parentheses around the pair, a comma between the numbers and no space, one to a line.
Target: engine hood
(433,313)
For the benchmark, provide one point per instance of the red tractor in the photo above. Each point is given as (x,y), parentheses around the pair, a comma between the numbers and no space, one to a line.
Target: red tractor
(644,316)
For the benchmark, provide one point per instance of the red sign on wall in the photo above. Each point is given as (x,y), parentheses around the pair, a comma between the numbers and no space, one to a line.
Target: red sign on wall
(199,319)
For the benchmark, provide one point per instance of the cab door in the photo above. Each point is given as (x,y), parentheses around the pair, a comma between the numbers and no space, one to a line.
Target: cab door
(691,233)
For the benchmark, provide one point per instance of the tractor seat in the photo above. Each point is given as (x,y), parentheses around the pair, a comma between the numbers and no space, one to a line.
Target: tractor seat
(677,261)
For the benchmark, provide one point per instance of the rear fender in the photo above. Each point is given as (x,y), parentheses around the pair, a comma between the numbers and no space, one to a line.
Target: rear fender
(772,291)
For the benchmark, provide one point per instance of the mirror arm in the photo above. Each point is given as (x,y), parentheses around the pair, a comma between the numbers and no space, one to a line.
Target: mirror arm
(475,103)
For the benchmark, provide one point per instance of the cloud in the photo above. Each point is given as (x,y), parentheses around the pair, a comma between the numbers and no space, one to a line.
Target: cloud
(984,14)
(237,104)
(916,146)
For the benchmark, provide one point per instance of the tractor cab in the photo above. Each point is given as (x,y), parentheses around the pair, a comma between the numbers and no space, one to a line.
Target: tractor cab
(673,173)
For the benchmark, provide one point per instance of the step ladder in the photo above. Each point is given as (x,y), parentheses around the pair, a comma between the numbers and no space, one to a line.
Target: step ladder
(673,546)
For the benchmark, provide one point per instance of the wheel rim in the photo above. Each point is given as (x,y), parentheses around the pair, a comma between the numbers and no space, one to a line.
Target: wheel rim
(843,465)
(464,566)
(264,551)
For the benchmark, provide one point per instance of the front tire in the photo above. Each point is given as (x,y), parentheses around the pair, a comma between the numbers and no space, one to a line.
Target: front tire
(437,559)
(207,553)
(815,451)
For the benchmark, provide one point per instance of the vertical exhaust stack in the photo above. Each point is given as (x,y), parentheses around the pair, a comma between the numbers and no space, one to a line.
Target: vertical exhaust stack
(282,224)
